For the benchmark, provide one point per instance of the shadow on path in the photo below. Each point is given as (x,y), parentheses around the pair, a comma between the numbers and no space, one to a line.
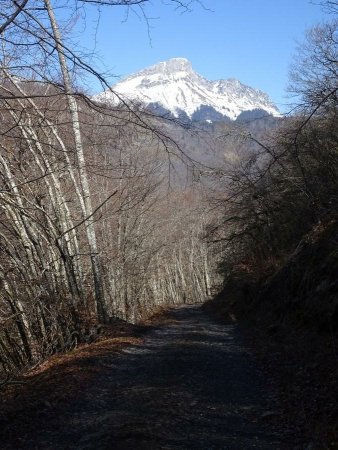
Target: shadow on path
(191,385)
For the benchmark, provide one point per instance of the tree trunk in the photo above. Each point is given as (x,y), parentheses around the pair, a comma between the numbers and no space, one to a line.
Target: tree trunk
(90,229)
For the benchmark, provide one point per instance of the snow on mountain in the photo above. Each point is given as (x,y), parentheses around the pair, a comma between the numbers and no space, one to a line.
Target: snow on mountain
(173,86)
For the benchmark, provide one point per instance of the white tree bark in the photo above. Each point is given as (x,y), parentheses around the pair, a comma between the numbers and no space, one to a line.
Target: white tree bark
(73,108)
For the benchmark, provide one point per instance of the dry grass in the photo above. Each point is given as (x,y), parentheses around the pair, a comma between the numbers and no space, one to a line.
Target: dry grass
(62,375)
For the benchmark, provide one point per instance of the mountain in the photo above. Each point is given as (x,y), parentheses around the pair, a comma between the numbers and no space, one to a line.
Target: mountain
(174,87)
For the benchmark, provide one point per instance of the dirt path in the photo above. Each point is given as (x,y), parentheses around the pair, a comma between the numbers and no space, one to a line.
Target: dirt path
(190,385)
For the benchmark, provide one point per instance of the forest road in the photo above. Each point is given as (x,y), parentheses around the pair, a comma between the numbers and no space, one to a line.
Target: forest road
(190,385)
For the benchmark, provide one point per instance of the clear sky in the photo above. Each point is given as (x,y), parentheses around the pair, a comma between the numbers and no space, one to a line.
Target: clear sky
(251,40)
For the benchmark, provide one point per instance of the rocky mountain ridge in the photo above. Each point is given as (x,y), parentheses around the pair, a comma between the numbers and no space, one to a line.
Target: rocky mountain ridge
(173,87)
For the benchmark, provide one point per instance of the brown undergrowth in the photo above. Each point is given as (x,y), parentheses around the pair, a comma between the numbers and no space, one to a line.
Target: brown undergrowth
(56,379)
(51,385)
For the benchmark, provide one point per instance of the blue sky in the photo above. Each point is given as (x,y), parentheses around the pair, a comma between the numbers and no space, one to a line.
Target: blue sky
(251,40)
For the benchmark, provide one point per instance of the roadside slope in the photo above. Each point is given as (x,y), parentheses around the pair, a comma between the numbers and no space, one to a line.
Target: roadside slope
(291,322)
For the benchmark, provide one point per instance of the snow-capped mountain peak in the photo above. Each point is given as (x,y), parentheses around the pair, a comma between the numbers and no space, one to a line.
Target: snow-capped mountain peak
(173,86)
(171,66)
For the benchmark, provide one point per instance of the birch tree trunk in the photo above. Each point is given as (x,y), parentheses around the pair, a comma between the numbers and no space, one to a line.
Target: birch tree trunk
(73,108)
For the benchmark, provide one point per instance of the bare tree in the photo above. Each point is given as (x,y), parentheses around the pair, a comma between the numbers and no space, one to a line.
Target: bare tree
(315,71)
(83,196)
